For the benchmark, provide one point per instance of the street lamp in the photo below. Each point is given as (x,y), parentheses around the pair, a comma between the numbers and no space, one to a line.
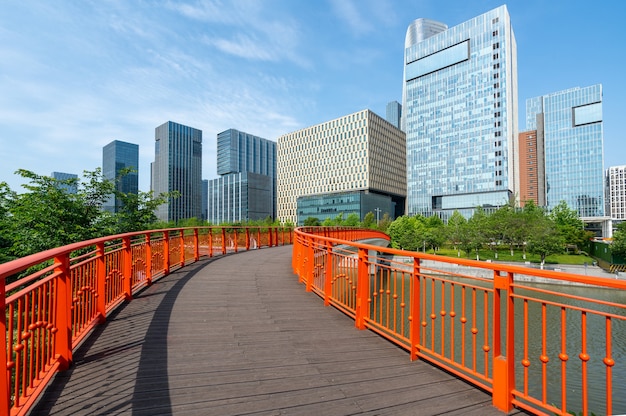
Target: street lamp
(377,215)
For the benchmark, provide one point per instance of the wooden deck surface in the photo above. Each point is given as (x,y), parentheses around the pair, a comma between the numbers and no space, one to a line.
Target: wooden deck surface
(238,335)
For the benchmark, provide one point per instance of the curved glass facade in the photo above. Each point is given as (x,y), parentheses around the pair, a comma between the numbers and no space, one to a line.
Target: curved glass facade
(460,117)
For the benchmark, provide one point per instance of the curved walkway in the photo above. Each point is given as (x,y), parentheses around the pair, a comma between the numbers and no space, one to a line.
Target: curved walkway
(238,335)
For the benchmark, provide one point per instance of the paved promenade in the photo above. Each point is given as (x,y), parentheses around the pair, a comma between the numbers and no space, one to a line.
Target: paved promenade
(238,335)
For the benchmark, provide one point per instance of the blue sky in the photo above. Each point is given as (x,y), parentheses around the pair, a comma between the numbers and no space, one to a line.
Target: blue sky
(75,75)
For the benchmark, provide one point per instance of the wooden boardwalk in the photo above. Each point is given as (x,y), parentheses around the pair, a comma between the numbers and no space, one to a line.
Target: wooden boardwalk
(238,335)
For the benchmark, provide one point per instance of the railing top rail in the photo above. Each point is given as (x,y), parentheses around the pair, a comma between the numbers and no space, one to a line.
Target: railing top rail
(494,266)
(18,265)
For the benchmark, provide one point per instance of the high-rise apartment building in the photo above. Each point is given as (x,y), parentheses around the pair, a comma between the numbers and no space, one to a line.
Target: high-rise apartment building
(205,200)
(63,176)
(117,156)
(532,167)
(569,123)
(616,186)
(177,167)
(394,113)
(357,153)
(246,189)
(459,112)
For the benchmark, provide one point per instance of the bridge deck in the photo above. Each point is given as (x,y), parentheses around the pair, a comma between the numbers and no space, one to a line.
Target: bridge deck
(238,335)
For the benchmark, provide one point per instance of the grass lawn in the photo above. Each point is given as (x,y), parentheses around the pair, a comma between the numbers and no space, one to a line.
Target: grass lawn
(505,255)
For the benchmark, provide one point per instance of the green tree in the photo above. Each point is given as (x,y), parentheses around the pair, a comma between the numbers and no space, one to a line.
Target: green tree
(544,238)
(137,211)
(570,226)
(311,222)
(435,233)
(369,221)
(618,246)
(405,233)
(352,220)
(384,223)
(456,222)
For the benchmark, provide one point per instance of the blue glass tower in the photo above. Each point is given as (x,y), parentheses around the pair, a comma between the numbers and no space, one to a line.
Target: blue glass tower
(246,189)
(116,156)
(177,167)
(394,113)
(459,113)
(571,124)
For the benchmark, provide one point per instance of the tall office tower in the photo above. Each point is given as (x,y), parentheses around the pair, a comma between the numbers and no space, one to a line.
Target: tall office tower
(394,113)
(459,112)
(62,176)
(357,160)
(616,184)
(177,167)
(531,167)
(116,156)
(573,141)
(246,189)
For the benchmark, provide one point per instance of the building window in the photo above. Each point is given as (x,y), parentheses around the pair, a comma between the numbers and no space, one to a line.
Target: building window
(496,45)
(495,33)
(496,56)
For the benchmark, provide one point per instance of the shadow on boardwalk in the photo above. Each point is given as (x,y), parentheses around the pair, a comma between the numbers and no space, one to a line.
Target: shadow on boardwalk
(237,335)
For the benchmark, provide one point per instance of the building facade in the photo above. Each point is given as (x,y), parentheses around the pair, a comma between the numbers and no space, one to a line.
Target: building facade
(177,167)
(357,152)
(117,156)
(570,122)
(246,189)
(394,113)
(63,176)
(531,168)
(240,197)
(329,206)
(616,186)
(459,112)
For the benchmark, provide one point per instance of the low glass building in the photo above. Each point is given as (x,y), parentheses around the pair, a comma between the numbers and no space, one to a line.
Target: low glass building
(329,206)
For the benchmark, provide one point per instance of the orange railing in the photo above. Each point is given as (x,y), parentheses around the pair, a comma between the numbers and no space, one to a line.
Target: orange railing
(57,297)
(527,343)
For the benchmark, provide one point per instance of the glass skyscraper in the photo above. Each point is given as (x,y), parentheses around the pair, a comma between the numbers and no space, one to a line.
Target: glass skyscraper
(571,124)
(177,167)
(394,113)
(246,189)
(62,176)
(116,156)
(459,112)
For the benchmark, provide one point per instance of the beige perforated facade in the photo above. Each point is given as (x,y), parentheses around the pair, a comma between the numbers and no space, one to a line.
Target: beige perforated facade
(360,151)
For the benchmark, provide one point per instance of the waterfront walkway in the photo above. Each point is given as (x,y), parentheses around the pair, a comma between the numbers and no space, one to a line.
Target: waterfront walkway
(238,335)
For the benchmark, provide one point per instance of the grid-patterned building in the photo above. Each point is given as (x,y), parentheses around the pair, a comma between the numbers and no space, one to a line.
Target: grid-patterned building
(177,167)
(570,122)
(532,167)
(616,185)
(359,152)
(246,189)
(116,156)
(459,112)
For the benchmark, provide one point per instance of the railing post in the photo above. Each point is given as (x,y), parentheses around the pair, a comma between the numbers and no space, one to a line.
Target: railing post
(181,244)
(362,290)
(258,238)
(414,309)
(328,278)
(148,259)
(101,274)
(127,268)
(5,392)
(210,242)
(223,241)
(166,253)
(503,365)
(247,239)
(63,318)
(196,244)
(310,269)
(235,244)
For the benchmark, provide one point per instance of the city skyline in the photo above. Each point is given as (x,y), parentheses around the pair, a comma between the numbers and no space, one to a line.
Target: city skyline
(77,76)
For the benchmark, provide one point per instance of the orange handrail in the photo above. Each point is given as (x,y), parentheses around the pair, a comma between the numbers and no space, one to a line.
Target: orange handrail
(460,314)
(47,312)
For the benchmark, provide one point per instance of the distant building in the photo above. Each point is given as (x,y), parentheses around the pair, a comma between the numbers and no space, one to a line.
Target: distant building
(342,159)
(205,200)
(246,189)
(616,184)
(459,112)
(116,156)
(532,168)
(177,167)
(62,176)
(394,113)
(572,128)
